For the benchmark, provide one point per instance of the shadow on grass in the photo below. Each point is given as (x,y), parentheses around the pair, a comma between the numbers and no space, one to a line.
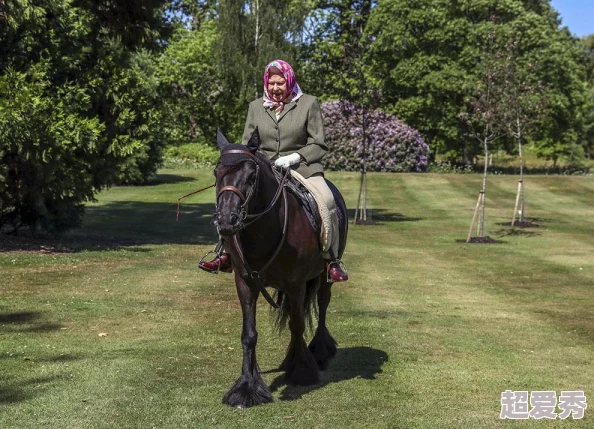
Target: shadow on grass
(22,390)
(161,179)
(126,225)
(21,317)
(350,363)
(26,321)
(384,215)
(510,232)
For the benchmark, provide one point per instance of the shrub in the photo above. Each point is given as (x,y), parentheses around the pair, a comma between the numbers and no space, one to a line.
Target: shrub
(80,107)
(450,167)
(192,153)
(390,144)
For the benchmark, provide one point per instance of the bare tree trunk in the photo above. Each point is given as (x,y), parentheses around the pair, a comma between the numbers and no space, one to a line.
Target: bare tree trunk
(519,207)
(479,210)
(362,215)
(476,210)
(481,231)
(361,210)
(358,209)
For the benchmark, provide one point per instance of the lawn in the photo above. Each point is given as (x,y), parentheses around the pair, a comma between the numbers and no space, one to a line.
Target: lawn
(113,325)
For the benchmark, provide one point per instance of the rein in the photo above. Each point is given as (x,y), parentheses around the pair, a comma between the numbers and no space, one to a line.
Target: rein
(243,215)
(187,195)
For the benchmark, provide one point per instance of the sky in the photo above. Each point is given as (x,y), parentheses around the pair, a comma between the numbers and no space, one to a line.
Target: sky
(577,15)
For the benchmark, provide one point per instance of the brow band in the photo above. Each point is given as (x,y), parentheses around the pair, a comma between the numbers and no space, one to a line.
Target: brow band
(237,151)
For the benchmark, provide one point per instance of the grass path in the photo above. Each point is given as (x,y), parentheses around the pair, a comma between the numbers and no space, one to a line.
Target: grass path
(431,330)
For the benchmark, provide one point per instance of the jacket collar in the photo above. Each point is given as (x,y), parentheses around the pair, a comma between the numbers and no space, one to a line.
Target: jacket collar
(288,106)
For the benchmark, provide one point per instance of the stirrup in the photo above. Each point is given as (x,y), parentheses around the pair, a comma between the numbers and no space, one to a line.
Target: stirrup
(340,264)
(218,255)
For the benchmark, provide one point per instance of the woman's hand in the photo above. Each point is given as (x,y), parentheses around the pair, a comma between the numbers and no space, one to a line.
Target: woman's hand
(288,160)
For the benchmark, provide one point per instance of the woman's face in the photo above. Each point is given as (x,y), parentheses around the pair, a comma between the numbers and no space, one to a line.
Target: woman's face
(277,85)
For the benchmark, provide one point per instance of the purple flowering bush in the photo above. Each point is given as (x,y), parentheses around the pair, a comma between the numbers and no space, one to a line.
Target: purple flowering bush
(390,144)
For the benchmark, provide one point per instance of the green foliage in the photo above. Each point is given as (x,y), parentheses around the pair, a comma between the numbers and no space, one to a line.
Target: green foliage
(588,46)
(194,93)
(194,153)
(334,53)
(252,33)
(448,167)
(589,120)
(43,146)
(79,108)
(425,55)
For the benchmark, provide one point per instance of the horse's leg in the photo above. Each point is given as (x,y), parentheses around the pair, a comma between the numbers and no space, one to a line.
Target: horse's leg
(299,364)
(249,389)
(322,345)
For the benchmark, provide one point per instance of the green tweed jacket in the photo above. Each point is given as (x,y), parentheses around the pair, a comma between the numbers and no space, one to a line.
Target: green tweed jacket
(299,129)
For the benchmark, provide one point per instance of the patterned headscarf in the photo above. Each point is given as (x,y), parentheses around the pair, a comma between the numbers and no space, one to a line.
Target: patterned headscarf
(294,92)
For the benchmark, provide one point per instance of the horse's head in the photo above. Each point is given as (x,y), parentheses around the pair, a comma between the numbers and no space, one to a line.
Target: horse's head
(237,176)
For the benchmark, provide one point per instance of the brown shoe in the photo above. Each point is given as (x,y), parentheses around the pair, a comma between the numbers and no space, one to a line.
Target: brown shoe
(336,273)
(219,263)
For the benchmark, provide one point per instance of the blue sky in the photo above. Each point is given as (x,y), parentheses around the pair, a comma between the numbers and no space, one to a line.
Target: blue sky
(578,15)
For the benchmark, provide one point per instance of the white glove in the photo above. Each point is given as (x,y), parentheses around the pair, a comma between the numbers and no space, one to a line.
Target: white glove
(288,160)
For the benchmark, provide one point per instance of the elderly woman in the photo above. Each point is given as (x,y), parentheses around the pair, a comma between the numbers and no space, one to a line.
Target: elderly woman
(292,135)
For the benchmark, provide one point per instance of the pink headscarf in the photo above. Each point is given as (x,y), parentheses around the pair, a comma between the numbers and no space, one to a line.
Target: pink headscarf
(294,92)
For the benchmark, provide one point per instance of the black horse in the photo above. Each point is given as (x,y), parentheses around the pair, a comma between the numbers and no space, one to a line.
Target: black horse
(271,242)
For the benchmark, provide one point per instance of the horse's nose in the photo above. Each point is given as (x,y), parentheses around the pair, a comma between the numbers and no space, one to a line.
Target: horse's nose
(228,224)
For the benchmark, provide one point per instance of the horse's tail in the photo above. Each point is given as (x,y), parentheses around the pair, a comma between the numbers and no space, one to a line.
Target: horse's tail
(309,306)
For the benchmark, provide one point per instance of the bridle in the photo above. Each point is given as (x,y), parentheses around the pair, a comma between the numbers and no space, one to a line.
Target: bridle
(243,215)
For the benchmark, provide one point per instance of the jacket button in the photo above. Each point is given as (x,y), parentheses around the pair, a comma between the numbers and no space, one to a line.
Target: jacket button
(276,127)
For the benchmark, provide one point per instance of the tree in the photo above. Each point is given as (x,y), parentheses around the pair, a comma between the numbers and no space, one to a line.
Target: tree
(484,116)
(80,106)
(425,56)
(522,108)
(195,98)
(588,44)
(335,49)
(252,33)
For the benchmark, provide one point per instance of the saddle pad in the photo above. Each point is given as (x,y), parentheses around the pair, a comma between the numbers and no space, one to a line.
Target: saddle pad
(322,208)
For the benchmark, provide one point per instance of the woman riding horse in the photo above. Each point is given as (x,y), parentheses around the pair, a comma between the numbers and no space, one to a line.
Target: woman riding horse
(292,135)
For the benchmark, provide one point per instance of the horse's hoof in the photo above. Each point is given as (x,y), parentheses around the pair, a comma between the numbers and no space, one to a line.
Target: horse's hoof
(302,371)
(247,392)
(302,376)
(323,348)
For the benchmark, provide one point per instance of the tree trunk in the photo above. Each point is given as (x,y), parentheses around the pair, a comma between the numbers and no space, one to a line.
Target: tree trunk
(481,231)
(519,207)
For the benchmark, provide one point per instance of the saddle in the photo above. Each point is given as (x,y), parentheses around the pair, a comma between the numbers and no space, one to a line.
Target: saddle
(307,202)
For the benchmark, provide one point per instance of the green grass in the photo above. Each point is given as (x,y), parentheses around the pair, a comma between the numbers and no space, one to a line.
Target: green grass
(431,330)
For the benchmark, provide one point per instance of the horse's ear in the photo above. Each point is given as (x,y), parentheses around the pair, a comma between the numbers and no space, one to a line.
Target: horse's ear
(222,142)
(254,142)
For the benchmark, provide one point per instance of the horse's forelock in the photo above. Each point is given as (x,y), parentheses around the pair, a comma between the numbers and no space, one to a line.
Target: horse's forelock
(233,159)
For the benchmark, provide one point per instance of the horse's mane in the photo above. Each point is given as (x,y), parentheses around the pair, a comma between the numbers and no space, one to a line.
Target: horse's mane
(233,159)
